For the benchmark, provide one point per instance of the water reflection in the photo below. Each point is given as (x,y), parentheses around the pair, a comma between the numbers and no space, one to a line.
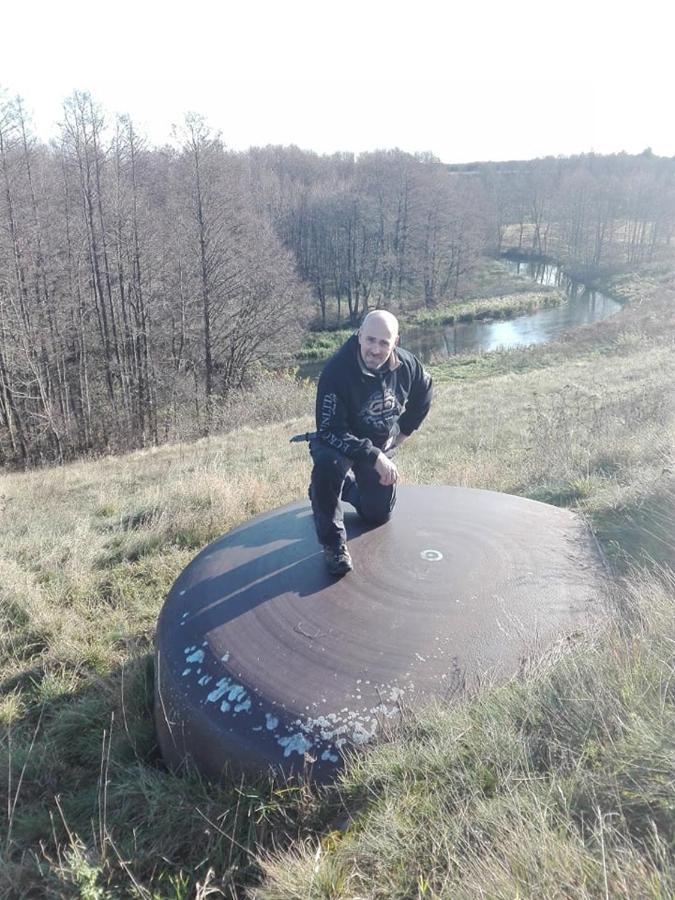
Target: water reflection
(582,308)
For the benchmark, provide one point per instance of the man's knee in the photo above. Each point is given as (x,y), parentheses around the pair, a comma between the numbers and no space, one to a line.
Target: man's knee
(375,516)
(329,465)
(377,504)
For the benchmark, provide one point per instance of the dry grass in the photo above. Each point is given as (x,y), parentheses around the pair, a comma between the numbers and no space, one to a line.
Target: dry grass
(559,785)
(88,552)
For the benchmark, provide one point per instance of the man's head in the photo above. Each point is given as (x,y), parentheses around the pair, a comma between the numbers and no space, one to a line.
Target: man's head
(378,335)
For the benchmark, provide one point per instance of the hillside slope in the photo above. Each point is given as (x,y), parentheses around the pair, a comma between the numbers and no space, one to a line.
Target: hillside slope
(558,785)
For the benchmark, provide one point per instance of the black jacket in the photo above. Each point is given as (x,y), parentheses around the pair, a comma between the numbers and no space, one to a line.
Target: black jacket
(358,411)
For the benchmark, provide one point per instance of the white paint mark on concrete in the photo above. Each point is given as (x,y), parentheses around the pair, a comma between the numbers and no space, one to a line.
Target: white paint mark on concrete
(236,692)
(294,743)
(220,690)
(431,555)
(361,735)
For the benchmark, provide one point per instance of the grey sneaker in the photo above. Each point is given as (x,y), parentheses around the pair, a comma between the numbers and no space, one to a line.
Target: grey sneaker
(338,560)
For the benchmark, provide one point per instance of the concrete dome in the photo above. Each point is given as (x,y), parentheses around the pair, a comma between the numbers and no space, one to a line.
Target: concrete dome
(263,659)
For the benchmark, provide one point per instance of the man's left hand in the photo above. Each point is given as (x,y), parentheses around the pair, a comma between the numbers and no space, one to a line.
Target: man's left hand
(386,469)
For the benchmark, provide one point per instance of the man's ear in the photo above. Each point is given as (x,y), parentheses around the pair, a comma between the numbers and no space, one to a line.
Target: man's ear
(398,340)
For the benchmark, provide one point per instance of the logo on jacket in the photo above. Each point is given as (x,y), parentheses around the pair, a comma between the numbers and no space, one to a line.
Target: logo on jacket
(380,411)
(328,407)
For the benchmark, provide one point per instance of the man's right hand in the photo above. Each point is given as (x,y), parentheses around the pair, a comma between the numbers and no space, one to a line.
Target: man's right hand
(386,469)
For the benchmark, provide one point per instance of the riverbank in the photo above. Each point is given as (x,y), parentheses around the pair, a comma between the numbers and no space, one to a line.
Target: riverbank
(556,784)
(487,308)
(507,295)
(320,345)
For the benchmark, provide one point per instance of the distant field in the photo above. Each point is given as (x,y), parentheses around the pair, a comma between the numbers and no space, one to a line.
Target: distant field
(556,785)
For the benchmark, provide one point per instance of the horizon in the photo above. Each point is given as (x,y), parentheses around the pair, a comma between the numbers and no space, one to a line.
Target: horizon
(478,85)
(37,121)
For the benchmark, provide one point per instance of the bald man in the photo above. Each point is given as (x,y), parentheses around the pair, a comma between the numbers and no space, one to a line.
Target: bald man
(371,396)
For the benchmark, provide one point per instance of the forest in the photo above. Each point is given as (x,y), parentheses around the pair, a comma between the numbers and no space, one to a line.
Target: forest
(141,286)
(157,307)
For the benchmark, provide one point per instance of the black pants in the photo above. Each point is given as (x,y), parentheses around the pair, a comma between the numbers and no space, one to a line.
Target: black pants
(335,477)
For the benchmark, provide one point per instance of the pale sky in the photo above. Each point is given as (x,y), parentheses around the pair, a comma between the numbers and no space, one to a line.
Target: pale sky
(470,80)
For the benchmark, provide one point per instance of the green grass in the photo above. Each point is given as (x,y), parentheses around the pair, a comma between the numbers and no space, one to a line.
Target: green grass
(557,784)
(492,292)
(319,345)
(499,307)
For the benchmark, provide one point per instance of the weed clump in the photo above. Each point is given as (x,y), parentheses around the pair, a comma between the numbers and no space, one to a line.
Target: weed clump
(558,785)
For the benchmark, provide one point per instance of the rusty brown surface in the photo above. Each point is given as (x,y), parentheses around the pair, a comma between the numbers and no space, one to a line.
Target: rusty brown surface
(265,660)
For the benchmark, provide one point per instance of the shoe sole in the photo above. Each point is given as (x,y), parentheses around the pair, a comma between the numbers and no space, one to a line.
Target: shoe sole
(341,571)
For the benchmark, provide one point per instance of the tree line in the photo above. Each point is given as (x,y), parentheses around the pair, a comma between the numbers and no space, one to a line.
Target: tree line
(390,228)
(140,286)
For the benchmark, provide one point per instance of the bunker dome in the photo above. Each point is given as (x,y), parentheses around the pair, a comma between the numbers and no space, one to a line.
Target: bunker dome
(263,660)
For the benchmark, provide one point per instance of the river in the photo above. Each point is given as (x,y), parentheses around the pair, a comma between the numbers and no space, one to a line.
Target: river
(583,307)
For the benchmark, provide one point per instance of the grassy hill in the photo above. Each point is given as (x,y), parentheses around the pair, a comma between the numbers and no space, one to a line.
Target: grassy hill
(556,784)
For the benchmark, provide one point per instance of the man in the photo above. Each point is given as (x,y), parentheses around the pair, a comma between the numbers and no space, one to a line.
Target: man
(371,396)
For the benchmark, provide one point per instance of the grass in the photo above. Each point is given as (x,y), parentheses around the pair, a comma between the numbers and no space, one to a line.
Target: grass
(500,307)
(319,345)
(491,293)
(557,784)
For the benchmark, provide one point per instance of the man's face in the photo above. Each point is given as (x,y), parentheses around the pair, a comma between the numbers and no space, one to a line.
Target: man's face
(376,341)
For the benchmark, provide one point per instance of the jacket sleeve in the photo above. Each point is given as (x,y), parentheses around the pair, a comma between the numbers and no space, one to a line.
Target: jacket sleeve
(419,401)
(332,423)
